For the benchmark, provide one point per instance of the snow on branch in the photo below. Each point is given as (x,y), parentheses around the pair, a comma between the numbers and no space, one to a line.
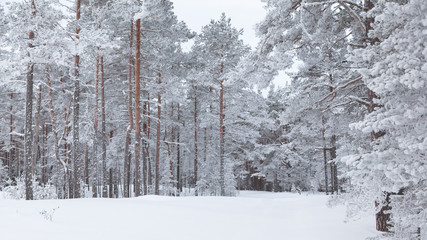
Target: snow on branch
(339,88)
(319,3)
(354,15)
(359,100)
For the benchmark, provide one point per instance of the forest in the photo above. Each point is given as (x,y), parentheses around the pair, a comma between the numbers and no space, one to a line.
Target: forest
(99,99)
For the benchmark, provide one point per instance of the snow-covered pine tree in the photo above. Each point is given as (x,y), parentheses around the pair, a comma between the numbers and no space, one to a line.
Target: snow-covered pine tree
(395,69)
(220,50)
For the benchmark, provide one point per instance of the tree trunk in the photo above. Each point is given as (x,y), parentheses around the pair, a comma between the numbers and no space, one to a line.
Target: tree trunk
(128,155)
(28,137)
(54,132)
(221,135)
(12,154)
(86,167)
(76,114)
(324,155)
(103,133)
(195,142)
(178,152)
(36,132)
(334,171)
(44,163)
(137,107)
(126,170)
(159,108)
(172,147)
(147,146)
(110,184)
(146,131)
(95,133)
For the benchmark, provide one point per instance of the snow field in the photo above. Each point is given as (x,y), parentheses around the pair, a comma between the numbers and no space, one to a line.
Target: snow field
(251,215)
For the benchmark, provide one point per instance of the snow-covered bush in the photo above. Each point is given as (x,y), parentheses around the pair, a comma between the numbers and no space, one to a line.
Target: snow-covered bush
(17,191)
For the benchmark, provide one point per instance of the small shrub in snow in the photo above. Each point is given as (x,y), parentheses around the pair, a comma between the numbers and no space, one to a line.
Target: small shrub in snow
(48,215)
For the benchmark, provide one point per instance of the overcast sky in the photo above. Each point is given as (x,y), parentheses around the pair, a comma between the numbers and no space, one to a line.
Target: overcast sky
(243,13)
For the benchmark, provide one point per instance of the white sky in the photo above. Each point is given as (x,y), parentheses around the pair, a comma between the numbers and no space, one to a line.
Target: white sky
(243,13)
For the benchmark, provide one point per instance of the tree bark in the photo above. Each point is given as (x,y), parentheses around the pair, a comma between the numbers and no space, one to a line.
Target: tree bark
(86,167)
(195,142)
(128,155)
(76,114)
(13,150)
(28,136)
(95,133)
(137,107)
(54,132)
(103,133)
(36,132)
(334,170)
(324,155)
(44,163)
(178,154)
(159,109)
(221,135)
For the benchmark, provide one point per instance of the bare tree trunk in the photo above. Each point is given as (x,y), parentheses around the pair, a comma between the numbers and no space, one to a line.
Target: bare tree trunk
(145,129)
(28,138)
(95,134)
(126,170)
(54,132)
(159,108)
(137,107)
(172,147)
(148,158)
(196,151)
(324,155)
(110,184)
(103,133)
(76,114)
(44,163)
(86,167)
(36,131)
(221,135)
(128,155)
(18,168)
(12,154)
(334,171)
(146,181)
(178,153)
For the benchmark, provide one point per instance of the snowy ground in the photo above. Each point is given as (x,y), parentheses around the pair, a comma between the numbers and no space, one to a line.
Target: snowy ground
(251,215)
